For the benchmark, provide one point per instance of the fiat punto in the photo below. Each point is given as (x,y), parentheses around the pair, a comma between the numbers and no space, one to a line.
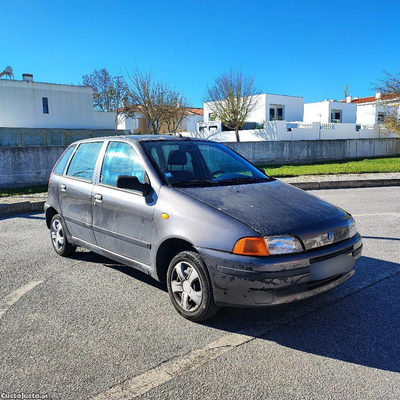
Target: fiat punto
(202,218)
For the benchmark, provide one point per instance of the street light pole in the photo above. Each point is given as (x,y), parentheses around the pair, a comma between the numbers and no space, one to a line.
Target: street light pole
(117,94)
(319,130)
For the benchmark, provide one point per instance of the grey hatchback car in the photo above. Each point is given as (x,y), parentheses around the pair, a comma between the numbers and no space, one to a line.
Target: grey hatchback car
(202,218)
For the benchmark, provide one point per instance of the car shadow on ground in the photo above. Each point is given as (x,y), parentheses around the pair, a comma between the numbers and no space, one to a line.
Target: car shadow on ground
(89,256)
(357,322)
(37,216)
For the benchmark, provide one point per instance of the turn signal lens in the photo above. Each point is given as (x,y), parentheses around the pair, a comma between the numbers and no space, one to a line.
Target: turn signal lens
(251,246)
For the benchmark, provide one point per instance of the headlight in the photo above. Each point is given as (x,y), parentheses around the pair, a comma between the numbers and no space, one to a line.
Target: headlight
(269,245)
(283,244)
(352,228)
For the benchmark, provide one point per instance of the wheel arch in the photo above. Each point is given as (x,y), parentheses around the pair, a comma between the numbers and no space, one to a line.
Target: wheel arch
(167,251)
(50,213)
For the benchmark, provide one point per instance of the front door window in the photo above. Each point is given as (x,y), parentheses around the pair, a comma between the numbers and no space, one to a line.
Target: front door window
(121,159)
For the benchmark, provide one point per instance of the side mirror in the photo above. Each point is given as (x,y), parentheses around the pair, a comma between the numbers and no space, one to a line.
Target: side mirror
(132,182)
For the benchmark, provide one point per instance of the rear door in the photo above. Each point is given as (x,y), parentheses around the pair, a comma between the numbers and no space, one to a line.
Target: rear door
(122,219)
(75,191)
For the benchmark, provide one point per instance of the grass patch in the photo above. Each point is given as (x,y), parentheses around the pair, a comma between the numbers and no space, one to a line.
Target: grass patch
(5,192)
(388,164)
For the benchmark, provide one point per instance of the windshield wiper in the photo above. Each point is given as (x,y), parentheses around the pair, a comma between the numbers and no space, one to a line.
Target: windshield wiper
(194,182)
(243,180)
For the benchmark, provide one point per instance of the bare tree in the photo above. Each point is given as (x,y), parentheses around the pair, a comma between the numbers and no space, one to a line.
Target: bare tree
(389,87)
(148,97)
(232,98)
(175,110)
(156,101)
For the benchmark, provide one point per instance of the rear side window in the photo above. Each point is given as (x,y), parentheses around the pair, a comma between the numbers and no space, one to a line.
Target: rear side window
(84,160)
(62,162)
(121,159)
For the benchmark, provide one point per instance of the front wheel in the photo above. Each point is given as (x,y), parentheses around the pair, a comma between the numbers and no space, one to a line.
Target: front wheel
(189,287)
(58,237)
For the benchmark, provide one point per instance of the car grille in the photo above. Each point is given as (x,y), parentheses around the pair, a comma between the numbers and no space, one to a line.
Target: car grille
(328,256)
(311,285)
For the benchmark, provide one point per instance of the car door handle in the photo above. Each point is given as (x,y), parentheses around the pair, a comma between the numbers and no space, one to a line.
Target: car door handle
(98,198)
(63,187)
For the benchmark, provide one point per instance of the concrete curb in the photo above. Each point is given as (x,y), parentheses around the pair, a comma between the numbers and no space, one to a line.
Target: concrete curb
(362,183)
(22,207)
(25,207)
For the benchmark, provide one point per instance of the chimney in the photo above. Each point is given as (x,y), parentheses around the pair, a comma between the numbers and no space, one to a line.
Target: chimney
(27,77)
(378,95)
(348,99)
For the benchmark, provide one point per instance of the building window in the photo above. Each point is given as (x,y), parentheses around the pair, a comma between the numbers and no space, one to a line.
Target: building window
(276,112)
(336,116)
(45,103)
(381,117)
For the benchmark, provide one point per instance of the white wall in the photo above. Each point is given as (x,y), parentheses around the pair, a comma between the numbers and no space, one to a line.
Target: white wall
(257,115)
(70,107)
(293,108)
(367,114)
(190,122)
(312,111)
(103,120)
(349,111)
(129,123)
(278,130)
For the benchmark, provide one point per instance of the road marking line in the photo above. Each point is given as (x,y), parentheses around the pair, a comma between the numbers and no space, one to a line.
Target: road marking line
(366,215)
(165,372)
(13,297)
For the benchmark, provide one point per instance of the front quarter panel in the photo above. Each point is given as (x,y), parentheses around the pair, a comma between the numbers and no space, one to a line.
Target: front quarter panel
(195,222)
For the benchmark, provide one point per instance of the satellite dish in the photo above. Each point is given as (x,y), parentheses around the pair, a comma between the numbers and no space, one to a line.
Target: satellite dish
(9,72)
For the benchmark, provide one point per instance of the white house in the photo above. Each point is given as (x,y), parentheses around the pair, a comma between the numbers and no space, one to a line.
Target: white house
(270,107)
(372,110)
(330,111)
(29,104)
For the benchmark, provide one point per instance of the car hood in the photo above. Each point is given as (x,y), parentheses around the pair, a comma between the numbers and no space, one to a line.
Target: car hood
(276,208)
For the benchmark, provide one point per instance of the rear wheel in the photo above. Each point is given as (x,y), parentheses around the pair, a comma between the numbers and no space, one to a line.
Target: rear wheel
(58,237)
(189,287)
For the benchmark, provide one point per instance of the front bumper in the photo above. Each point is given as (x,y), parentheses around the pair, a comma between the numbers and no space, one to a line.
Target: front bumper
(261,281)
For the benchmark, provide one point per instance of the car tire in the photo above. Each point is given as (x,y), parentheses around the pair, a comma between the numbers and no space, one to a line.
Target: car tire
(59,240)
(189,287)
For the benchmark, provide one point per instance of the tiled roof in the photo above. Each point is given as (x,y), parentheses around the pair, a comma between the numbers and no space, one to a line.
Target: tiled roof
(372,99)
(196,111)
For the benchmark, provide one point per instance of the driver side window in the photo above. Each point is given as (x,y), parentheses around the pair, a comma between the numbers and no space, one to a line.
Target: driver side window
(121,159)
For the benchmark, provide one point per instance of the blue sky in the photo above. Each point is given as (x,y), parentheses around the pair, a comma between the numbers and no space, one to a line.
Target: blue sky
(304,48)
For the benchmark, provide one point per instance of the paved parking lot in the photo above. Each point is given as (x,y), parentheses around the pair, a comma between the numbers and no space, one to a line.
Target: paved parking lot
(89,327)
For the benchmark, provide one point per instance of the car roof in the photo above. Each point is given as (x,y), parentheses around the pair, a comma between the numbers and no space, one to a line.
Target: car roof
(142,138)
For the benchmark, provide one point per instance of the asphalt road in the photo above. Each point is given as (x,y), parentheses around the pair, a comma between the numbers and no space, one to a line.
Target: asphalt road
(74,328)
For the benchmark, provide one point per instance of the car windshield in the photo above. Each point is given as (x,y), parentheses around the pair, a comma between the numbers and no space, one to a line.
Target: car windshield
(192,163)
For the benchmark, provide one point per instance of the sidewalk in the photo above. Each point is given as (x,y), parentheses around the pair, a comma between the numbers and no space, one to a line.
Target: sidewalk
(23,204)
(343,181)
